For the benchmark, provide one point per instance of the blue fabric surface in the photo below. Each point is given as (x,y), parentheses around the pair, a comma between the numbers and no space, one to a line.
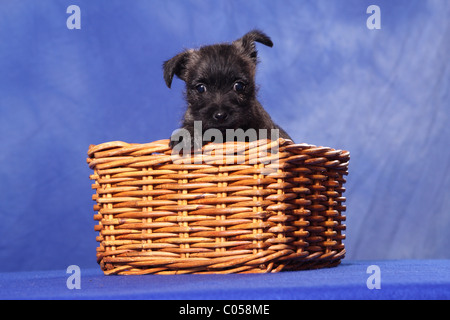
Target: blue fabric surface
(328,80)
(403,279)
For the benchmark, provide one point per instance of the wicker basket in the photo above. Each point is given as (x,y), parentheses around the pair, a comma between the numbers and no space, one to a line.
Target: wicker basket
(218,212)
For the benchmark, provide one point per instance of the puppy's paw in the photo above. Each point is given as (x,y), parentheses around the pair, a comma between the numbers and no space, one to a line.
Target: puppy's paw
(184,146)
(172,144)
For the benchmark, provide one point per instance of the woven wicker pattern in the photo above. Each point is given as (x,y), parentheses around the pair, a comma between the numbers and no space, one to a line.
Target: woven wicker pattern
(221,213)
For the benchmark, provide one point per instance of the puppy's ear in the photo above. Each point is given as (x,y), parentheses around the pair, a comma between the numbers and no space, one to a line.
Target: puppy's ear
(247,43)
(176,66)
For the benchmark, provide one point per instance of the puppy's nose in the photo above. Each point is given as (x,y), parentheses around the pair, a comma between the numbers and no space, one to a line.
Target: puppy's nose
(220,116)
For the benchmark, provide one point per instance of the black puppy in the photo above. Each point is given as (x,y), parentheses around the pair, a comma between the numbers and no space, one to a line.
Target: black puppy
(220,87)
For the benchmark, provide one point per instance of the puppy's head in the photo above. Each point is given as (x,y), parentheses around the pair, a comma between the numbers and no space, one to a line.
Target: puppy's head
(220,81)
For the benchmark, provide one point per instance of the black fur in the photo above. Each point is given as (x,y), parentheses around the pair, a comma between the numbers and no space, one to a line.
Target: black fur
(220,86)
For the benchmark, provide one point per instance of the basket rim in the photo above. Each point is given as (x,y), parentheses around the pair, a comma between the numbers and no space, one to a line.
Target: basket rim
(111,148)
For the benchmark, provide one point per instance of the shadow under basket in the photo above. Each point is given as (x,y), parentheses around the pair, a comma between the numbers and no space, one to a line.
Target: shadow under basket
(250,207)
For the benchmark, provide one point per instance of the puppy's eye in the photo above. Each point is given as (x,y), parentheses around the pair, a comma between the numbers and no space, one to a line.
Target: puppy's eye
(200,88)
(238,86)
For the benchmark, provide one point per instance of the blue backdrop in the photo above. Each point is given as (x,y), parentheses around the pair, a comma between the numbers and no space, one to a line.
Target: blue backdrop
(382,94)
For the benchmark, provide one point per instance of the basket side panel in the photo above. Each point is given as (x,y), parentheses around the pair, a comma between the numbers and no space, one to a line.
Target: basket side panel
(222,214)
